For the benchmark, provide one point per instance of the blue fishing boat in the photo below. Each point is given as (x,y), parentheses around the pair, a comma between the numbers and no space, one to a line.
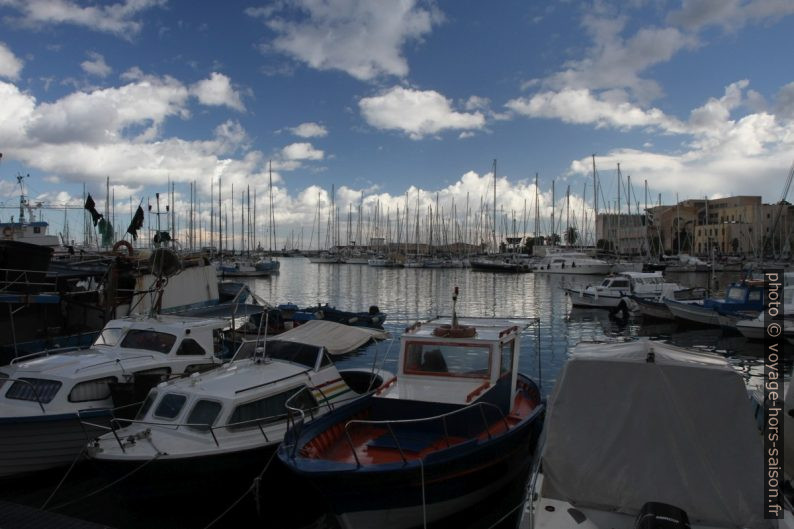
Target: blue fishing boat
(745,298)
(456,424)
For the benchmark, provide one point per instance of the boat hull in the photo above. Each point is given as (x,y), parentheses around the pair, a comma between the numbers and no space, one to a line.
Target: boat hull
(580,298)
(31,444)
(693,313)
(652,309)
(597,269)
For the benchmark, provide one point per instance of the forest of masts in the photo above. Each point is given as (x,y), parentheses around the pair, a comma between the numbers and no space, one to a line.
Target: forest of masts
(234,223)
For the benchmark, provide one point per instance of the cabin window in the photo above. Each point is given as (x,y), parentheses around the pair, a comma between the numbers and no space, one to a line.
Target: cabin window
(98,389)
(217,342)
(160,342)
(36,229)
(735,294)
(109,336)
(437,358)
(146,406)
(170,406)
(754,295)
(605,283)
(620,283)
(205,412)
(189,346)
(506,364)
(35,389)
(326,360)
(270,409)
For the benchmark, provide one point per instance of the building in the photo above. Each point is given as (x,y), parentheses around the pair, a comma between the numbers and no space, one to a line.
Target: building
(622,233)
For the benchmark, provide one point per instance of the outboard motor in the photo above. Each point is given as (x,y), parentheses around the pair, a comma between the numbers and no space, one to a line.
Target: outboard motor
(655,515)
(373,310)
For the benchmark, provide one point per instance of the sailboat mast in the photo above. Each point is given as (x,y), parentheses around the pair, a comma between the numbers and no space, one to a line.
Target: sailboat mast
(495,245)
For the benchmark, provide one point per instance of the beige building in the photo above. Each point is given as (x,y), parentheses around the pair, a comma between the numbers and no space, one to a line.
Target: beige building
(626,234)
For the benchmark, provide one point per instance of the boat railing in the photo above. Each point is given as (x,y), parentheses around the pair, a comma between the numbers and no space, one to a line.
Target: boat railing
(114,361)
(46,352)
(296,416)
(389,424)
(117,424)
(32,386)
(14,276)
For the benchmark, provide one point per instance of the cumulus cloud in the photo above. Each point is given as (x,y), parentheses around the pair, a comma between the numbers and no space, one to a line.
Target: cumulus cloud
(359,37)
(218,91)
(309,130)
(417,113)
(580,106)
(10,65)
(301,151)
(120,19)
(96,65)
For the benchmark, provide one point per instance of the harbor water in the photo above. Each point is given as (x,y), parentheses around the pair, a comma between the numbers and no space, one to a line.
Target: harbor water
(406,295)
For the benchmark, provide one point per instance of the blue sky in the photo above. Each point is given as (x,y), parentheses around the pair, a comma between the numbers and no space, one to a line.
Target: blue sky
(388,97)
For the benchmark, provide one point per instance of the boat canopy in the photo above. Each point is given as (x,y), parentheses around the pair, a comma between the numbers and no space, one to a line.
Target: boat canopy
(337,338)
(642,421)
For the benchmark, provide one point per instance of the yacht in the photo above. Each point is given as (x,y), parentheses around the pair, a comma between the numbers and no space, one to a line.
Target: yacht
(616,288)
(571,263)
(647,435)
(45,396)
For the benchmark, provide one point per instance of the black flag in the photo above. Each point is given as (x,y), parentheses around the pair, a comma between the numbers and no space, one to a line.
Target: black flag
(136,224)
(90,206)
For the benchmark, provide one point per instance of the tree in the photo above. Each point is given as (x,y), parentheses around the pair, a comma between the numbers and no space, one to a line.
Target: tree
(571,236)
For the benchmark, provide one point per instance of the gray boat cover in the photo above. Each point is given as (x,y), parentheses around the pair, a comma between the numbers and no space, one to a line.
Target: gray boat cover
(622,431)
(337,338)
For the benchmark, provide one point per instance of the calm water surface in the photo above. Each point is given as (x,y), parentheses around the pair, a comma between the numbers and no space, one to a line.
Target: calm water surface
(406,295)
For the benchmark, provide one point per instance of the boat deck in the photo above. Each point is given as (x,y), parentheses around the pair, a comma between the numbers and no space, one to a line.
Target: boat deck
(374,443)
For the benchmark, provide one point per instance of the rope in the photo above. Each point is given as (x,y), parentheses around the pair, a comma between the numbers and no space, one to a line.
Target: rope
(74,462)
(424,501)
(122,478)
(254,487)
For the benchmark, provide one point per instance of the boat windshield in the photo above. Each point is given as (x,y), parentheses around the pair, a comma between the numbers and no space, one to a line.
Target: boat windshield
(109,336)
(160,342)
(458,360)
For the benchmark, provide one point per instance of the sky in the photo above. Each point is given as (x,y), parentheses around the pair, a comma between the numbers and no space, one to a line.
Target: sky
(393,102)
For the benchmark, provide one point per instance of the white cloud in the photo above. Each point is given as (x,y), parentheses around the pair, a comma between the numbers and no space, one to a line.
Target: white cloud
(217,91)
(728,14)
(360,37)
(119,19)
(10,65)
(96,65)
(580,106)
(417,113)
(301,151)
(309,130)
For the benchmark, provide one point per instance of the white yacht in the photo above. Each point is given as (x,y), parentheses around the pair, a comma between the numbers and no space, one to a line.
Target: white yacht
(615,288)
(45,396)
(571,263)
(224,420)
(644,434)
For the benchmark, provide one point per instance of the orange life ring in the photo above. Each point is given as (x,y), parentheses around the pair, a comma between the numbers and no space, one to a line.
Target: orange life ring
(448,331)
(125,244)
(7,231)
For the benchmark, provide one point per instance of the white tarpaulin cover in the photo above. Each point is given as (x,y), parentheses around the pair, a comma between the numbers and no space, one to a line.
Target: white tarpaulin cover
(621,431)
(337,338)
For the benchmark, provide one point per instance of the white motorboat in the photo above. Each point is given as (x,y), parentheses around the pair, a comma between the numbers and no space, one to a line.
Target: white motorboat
(222,421)
(615,288)
(45,396)
(652,432)
(571,263)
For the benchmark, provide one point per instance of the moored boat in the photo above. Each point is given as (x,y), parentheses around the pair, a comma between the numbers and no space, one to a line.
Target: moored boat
(689,453)
(615,288)
(46,396)
(745,297)
(571,263)
(191,431)
(456,424)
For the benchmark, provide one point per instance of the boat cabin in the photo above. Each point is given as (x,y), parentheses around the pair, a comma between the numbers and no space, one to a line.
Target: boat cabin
(634,282)
(743,296)
(440,363)
(126,348)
